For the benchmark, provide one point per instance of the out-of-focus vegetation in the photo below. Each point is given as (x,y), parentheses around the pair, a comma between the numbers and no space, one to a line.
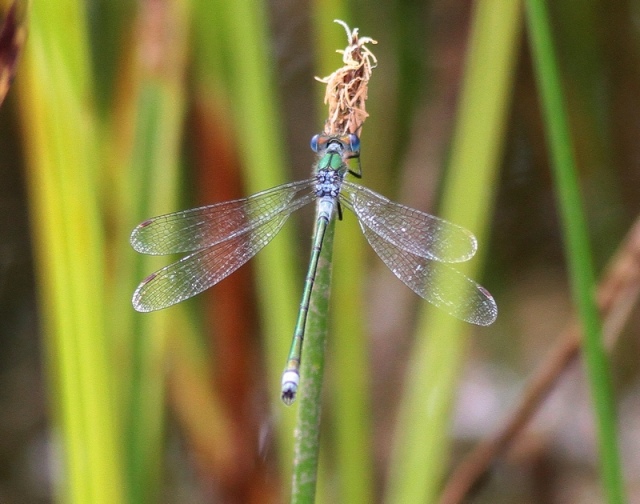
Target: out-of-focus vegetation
(124,110)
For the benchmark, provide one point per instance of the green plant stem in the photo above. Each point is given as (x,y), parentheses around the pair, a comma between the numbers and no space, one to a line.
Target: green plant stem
(348,345)
(307,430)
(421,442)
(577,246)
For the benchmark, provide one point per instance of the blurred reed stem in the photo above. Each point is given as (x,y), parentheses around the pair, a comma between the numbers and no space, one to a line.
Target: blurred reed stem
(63,163)
(421,442)
(239,30)
(147,134)
(577,248)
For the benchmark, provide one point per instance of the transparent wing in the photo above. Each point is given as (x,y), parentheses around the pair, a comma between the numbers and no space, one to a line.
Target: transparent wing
(200,270)
(438,283)
(199,228)
(416,232)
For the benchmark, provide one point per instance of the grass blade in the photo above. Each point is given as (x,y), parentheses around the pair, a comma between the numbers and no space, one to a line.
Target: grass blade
(148,133)
(60,131)
(419,456)
(234,68)
(577,247)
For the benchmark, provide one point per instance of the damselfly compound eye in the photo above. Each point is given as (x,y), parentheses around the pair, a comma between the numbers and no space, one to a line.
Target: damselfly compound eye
(314,143)
(354,143)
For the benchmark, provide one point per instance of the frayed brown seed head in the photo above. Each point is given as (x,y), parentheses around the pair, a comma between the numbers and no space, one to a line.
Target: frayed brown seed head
(347,87)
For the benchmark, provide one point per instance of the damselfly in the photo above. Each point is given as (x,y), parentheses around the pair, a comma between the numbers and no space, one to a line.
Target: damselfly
(220,238)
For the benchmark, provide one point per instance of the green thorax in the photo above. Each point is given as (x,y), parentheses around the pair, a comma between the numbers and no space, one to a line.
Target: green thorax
(331,161)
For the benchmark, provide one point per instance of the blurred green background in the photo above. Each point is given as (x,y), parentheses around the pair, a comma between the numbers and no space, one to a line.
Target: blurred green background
(125,110)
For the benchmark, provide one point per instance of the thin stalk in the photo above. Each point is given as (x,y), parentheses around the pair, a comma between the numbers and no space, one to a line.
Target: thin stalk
(577,246)
(348,345)
(307,431)
(421,443)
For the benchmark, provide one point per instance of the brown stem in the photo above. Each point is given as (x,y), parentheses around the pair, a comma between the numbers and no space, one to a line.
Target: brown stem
(617,294)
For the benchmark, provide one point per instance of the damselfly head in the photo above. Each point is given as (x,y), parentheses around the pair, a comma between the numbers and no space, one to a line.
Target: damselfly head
(350,142)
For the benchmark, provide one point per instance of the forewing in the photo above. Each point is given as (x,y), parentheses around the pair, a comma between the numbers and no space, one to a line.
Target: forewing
(200,270)
(438,283)
(416,232)
(203,227)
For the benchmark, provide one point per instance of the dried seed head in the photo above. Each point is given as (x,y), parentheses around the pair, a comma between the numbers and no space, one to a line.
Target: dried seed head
(347,87)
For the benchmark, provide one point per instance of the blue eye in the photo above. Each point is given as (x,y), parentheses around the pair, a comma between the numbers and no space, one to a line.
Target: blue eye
(314,143)
(354,143)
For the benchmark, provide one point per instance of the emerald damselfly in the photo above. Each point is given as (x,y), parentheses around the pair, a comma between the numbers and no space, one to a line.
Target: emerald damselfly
(220,238)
